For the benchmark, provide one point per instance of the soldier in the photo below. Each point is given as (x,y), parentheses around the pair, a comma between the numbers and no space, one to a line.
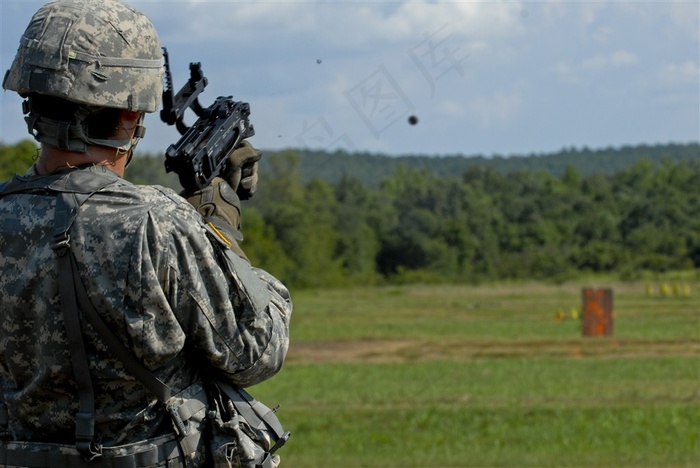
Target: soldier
(165,273)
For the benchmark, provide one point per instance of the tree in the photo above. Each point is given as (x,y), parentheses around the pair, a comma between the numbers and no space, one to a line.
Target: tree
(358,224)
(17,159)
(302,220)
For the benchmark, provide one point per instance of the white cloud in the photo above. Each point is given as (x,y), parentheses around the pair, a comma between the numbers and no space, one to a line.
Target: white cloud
(597,63)
(497,109)
(511,59)
(452,109)
(602,35)
(469,19)
(575,73)
(617,58)
(621,58)
(685,73)
(342,24)
(668,18)
(589,13)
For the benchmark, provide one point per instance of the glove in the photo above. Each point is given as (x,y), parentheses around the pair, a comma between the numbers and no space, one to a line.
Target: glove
(243,170)
(217,200)
(220,208)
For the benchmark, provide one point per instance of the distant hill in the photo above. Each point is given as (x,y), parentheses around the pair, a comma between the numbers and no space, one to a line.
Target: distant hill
(373,168)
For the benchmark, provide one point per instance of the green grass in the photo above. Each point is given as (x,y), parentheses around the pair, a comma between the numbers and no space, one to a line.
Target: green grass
(485,376)
(512,437)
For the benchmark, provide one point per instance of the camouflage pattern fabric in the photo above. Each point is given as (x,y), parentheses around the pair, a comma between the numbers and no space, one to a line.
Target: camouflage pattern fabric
(174,295)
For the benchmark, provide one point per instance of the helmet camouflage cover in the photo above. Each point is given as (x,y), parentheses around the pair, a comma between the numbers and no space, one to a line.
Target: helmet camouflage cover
(100,53)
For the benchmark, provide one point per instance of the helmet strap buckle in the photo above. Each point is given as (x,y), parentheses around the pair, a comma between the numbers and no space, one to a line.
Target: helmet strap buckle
(63,135)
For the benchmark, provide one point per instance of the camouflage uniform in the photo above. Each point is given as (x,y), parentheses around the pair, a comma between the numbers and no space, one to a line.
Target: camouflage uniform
(162,282)
(173,292)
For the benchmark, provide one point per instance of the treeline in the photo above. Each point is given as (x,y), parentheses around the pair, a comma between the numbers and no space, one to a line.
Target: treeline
(374,168)
(480,224)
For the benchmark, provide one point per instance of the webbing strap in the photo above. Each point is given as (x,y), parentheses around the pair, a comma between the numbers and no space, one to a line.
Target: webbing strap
(73,136)
(4,417)
(66,207)
(180,414)
(255,413)
(75,299)
(40,455)
(150,381)
(116,61)
(76,296)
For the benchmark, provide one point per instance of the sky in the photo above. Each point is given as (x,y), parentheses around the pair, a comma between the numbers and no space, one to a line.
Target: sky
(481,78)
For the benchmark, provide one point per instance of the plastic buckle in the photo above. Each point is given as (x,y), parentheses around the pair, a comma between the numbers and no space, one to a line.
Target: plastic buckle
(177,421)
(61,243)
(266,462)
(84,436)
(280,442)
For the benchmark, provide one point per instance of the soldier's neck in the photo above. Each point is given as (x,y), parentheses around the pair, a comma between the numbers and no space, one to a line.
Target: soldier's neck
(53,159)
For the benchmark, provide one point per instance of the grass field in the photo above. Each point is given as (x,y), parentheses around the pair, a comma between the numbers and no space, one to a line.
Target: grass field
(462,376)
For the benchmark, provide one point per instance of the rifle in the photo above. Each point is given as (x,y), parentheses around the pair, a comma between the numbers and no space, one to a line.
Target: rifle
(202,152)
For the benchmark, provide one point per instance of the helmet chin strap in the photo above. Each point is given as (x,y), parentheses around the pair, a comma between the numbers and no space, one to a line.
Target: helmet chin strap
(73,137)
(123,145)
(139,132)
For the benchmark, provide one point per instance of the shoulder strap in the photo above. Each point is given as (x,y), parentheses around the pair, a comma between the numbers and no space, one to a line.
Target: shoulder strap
(162,391)
(74,298)
(70,195)
(66,209)
(87,180)
(67,203)
(257,414)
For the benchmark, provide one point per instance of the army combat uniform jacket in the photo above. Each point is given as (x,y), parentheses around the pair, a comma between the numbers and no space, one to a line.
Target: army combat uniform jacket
(158,278)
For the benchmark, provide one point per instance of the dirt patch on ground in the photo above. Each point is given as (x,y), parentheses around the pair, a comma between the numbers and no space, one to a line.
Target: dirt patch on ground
(402,350)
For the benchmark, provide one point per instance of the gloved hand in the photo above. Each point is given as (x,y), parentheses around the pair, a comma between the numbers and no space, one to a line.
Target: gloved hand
(243,170)
(217,200)
(221,210)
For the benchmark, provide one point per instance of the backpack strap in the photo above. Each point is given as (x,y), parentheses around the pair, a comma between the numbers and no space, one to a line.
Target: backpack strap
(75,299)
(67,204)
(71,191)
(83,303)
(179,413)
(65,212)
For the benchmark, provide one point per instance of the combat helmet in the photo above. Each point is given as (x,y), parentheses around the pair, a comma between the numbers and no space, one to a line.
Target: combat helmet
(95,53)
